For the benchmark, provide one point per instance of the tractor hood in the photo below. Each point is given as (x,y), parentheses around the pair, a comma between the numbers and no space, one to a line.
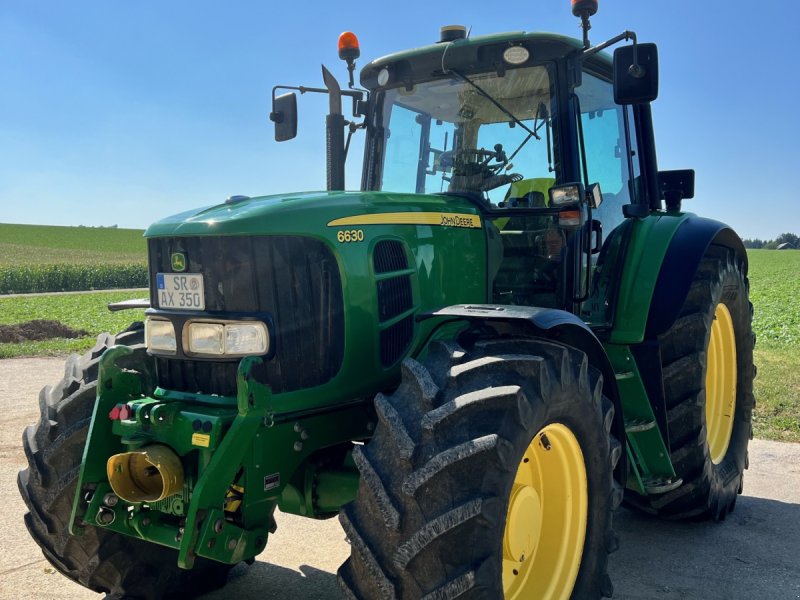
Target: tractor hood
(304,213)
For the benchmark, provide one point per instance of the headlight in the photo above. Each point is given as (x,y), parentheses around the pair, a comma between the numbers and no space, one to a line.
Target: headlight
(160,336)
(246,338)
(241,338)
(206,338)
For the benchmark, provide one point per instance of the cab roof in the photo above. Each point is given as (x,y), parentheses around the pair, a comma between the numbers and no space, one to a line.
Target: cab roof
(472,54)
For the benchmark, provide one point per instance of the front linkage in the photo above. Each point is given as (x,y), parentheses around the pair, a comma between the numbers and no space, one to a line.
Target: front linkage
(203,474)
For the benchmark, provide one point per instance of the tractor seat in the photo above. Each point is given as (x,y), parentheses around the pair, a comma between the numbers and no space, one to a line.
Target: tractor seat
(528,193)
(530,200)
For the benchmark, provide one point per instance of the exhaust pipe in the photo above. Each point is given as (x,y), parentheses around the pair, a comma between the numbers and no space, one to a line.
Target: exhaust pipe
(149,474)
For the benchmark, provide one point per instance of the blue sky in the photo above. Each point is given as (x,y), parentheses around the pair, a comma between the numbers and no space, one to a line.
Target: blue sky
(117,112)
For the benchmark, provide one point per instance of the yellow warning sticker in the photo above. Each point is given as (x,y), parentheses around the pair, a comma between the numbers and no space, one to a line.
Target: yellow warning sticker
(201,439)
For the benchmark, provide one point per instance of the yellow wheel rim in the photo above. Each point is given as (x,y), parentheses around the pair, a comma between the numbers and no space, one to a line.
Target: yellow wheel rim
(546,522)
(720,384)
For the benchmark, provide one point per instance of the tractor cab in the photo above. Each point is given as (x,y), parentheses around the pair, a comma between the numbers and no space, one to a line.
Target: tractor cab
(529,127)
(499,120)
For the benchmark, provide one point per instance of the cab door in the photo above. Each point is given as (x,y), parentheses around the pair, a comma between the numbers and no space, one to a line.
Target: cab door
(609,156)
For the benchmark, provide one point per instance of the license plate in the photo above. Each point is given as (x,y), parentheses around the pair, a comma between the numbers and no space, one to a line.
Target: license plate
(181,291)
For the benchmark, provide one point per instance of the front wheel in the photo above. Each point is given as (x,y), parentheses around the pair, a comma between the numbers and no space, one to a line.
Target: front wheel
(490,475)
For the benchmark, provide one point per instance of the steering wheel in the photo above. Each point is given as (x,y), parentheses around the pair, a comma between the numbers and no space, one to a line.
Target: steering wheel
(472,161)
(479,169)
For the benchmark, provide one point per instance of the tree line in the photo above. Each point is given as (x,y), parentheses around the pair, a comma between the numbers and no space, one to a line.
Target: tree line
(783,238)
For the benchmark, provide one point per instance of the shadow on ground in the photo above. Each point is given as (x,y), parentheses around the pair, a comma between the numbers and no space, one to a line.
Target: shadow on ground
(262,580)
(755,553)
(752,554)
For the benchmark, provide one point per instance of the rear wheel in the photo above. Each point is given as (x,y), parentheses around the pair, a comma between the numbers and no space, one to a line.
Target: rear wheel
(708,381)
(118,565)
(490,475)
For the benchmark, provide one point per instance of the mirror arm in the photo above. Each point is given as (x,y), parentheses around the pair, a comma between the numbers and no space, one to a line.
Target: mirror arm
(355,94)
(636,70)
(622,37)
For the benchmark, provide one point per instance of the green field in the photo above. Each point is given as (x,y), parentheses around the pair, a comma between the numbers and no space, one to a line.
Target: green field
(774,290)
(37,258)
(774,285)
(22,245)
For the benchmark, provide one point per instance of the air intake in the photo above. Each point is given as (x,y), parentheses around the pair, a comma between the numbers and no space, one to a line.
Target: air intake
(388,256)
(395,300)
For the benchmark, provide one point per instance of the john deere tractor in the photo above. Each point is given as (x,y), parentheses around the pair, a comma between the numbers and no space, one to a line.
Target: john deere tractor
(511,329)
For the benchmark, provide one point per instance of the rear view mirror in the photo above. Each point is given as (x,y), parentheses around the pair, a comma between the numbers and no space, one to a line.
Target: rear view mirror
(636,82)
(676,186)
(284,115)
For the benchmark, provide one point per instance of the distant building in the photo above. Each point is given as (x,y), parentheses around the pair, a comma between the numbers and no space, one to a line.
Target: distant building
(787,246)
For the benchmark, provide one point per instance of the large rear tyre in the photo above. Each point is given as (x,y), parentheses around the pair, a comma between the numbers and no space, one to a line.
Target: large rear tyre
(708,381)
(490,475)
(118,565)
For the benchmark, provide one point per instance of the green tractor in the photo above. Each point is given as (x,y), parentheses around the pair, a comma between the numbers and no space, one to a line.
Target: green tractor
(510,330)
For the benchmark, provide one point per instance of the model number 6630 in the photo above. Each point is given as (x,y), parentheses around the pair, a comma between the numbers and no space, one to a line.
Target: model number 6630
(350,235)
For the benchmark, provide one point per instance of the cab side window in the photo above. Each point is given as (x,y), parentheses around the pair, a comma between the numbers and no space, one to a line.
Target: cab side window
(406,131)
(612,157)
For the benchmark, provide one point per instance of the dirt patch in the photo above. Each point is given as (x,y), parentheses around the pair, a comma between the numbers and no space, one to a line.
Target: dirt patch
(40,329)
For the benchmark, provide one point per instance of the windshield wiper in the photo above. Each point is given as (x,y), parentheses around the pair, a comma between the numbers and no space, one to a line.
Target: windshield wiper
(489,97)
(540,110)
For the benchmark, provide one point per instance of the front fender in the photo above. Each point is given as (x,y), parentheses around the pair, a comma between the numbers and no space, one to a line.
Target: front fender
(663,253)
(686,250)
(556,325)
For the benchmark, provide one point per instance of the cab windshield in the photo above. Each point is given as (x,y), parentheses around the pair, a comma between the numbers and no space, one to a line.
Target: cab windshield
(488,135)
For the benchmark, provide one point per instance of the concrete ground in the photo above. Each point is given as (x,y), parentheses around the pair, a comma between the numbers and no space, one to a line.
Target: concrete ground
(754,554)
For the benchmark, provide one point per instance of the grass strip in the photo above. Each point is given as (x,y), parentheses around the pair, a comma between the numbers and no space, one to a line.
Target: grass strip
(88,312)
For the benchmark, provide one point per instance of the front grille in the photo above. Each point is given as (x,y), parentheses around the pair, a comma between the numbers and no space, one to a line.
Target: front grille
(295,279)
(394,298)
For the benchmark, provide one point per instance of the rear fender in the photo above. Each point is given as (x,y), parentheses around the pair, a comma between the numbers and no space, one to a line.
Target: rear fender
(551,324)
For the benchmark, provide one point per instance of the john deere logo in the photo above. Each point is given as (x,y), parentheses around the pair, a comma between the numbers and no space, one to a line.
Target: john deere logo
(178,261)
